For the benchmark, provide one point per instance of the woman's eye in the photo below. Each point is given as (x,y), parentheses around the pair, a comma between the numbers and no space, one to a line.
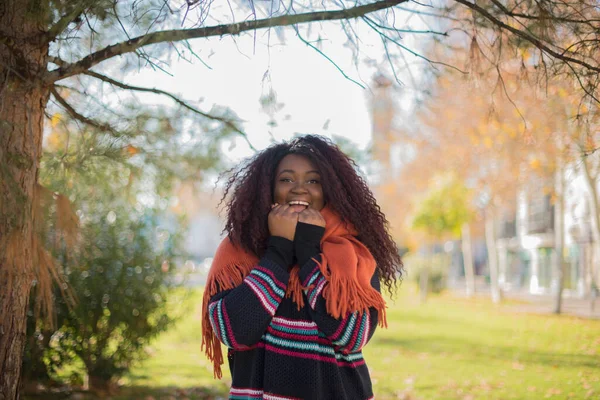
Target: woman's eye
(285,180)
(313,181)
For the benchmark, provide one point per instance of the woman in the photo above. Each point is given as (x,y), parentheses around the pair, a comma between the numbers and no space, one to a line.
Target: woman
(294,288)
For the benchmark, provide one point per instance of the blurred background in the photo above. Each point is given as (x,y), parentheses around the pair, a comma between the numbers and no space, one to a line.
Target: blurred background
(480,150)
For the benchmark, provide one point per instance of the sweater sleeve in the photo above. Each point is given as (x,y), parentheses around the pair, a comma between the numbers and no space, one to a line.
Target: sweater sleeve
(351,333)
(240,316)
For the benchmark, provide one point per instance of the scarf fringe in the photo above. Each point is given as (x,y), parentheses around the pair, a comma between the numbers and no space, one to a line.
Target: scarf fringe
(344,296)
(294,288)
(229,275)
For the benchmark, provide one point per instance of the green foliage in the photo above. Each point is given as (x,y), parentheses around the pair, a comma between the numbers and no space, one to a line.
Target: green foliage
(120,263)
(121,273)
(444,210)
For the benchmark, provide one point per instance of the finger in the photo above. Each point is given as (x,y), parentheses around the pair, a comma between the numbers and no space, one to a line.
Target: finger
(289,211)
(276,209)
(310,212)
(280,210)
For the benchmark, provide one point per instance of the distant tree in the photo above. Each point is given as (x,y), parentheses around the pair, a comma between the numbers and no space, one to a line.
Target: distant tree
(442,213)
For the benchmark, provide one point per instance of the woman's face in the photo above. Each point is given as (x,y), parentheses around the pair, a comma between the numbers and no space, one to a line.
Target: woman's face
(298,182)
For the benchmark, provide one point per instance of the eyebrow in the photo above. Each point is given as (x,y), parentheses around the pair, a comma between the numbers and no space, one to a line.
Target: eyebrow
(291,171)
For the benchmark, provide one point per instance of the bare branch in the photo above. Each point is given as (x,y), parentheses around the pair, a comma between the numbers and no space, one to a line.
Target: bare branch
(80,117)
(414,53)
(229,123)
(528,37)
(219,30)
(312,46)
(64,21)
(510,13)
(373,22)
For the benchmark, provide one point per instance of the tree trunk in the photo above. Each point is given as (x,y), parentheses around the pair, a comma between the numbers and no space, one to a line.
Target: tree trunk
(424,278)
(559,239)
(22,103)
(468,260)
(490,239)
(593,201)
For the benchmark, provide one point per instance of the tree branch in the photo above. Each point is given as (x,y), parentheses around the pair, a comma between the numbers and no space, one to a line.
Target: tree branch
(528,37)
(64,21)
(312,46)
(414,53)
(122,85)
(513,14)
(219,30)
(80,117)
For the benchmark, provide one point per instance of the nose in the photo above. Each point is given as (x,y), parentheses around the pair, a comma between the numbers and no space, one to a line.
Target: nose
(299,187)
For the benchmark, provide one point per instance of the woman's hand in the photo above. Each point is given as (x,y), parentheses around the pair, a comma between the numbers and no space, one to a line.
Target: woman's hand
(311,216)
(282,221)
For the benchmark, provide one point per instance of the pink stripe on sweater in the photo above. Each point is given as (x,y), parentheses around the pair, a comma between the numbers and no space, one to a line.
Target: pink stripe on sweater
(215,318)
(265,285)
(316,357)
(281,285)
(300,338)
(304,325)
(367,331)
(354,338)
(317,293)
(340,329)
(261,297)
(234,343)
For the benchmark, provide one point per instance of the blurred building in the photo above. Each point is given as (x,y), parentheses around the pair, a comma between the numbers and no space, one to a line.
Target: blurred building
(526,240)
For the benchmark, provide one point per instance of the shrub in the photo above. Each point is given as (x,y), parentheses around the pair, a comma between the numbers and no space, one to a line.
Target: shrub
(121,273)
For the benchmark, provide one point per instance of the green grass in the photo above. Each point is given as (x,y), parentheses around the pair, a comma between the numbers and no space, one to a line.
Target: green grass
(454,348)
(449,348)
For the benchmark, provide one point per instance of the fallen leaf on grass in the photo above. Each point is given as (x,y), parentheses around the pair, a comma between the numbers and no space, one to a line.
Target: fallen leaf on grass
(518,366)
(552,391)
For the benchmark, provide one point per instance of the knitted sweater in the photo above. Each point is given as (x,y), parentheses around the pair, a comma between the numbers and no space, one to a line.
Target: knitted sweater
(277,351)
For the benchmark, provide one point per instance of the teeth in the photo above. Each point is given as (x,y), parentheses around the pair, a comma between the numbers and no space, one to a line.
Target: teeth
(301,203)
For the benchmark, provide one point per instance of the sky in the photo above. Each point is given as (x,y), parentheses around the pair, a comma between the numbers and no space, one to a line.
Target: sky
(315,95)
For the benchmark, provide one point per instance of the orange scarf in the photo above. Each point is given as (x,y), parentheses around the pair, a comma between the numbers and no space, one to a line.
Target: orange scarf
(346,263)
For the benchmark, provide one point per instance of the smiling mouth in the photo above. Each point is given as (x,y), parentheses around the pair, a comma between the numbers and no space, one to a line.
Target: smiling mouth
(299,203)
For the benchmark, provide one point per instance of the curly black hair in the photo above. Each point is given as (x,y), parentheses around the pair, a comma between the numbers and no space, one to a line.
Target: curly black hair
(248,204)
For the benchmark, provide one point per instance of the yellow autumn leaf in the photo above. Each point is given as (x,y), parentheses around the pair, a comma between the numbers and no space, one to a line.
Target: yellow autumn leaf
(488,142)
(55,140)
(55,120)
(562,93)
(535,163)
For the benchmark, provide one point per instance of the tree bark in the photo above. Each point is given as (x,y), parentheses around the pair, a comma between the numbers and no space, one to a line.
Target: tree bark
(22,104)
(468,260)
(559,238)
(490,239)
(424,277)
(591,182)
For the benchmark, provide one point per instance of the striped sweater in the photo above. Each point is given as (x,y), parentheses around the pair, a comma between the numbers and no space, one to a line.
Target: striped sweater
(277,351)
